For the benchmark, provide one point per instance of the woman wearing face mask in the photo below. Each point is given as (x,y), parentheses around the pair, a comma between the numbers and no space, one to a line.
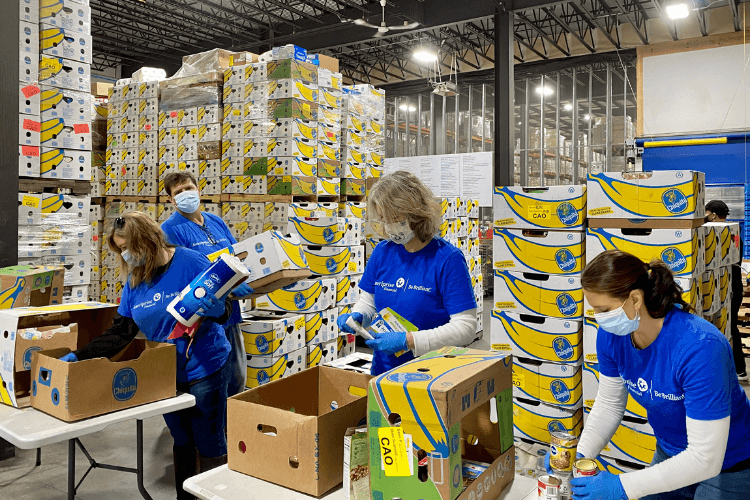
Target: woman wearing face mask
(677,366)
(157,272)
(419,275)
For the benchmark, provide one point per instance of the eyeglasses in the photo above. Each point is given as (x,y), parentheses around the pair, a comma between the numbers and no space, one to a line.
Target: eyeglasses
(210,236)
(119,222)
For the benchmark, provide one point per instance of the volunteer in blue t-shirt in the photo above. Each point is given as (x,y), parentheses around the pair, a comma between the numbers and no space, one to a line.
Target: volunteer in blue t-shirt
(679,368)
(206,233)
(157,272)
(418,275)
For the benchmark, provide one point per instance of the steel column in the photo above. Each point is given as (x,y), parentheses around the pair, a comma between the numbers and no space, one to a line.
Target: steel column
(557,132)
(456,137)
(574,154)
(484,115)
(407,128)
(524,158)
(395,127)
(470,147)
(444,126)
(591,118)
(541,133)
(504,88)
(433,127)
(608,131)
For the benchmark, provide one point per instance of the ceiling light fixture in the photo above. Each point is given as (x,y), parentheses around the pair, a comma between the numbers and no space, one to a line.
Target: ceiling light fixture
(677,11)
(424,56)
(568,107)
(587,117)
(546,90)
(404,107)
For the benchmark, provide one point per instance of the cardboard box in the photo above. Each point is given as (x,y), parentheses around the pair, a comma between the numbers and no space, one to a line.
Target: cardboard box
(292,88)
(65,164)
(353,187)
(329,79)
(358,362)
(543,339)
(74,17)
(330,116)
(34,286)
(57,42)
(536,251)
(15,378)
(729,241)
(554,207)
(347,289)
(555,384)
(293,184)
(329,261)
(439,424)
(98,386)
(28,161)
(29,97)
(303,296)
(681,249)
(264,369)
(320,354)
(345,345)
(269,257)
(591,389)
(356,464)
(63,73)
(671,194)
(533,420)
(66,134)
(590,330)
(326,231)
(29,11)
(711,292)
(539,295)
(289,68)
(273,335)
(712,247)
(633,441)
(288,108)
(321,326)
(303,449)
(725,284)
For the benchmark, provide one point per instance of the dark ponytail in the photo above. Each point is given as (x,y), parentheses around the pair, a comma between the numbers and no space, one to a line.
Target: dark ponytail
(617,273)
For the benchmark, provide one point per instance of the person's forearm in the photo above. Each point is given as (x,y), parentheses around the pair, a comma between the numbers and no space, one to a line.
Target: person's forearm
(112,341)
(605,416)
(366,307)
(459,331)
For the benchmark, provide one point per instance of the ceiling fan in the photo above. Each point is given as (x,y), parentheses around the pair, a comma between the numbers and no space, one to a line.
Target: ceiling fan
(383,29)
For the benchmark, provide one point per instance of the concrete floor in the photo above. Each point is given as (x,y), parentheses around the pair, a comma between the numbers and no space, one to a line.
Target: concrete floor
(20,480)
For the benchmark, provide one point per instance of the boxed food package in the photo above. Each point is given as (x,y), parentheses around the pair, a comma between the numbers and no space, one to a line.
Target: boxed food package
(291,432)
(533,419)
(321,326)
(729,241)
(539,294)
(591,389)
(711,293)
(554,207)
(550,383)
(421,446)
(268,335)
(538,251)
(356,464)
(347,289)
(543,339)
(712,247)
(346,345)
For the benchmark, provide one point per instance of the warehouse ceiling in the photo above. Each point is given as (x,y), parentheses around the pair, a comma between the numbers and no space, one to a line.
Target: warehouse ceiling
(134,33)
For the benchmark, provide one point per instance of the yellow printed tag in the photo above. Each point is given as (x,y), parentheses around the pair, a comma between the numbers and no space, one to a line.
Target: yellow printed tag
(353,267)
(286,264)
(588,403)
(501,347)
(231,60)
(539,212)
(300,323)
(30,201)
(518,380)
(393,452)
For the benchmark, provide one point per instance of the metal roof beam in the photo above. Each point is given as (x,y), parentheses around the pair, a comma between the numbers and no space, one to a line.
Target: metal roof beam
(135,28)
(671,27)
(542,33)
(625,13)
(551,13)
(208,15)
(294,10)
(578,7)
(134,46)
(220,7)
(735,15)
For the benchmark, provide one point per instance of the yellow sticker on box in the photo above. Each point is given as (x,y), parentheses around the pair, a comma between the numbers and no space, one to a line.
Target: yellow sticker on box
(539,212)
(30,201)
(300,323)
(518,379)
(393,452)
(353,267)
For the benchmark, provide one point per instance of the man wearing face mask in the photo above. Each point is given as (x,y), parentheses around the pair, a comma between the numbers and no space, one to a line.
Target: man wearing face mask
(679,368)
(208,234)
(419,275)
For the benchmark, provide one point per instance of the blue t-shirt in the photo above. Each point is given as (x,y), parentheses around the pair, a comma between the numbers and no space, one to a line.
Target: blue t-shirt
(425,287)
(147,305)
(213,236)
(687,371)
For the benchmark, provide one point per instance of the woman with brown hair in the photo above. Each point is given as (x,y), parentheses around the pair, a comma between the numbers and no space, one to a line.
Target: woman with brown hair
(677,366)
(416,273)
(157,272)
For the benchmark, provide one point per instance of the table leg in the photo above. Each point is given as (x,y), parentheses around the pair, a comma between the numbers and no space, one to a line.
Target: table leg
(71,469)
(38,457)
(139,446)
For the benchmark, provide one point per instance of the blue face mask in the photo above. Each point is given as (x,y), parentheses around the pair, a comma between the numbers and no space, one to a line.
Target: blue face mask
(617,322)
(187,201)
(130,259)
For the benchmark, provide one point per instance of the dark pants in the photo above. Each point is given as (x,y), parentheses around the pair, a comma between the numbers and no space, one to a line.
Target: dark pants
(237,369)
(737,292)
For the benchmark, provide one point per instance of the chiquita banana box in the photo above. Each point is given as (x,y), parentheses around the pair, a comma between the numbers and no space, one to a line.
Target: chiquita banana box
(711,290)
(536,251)
(347,289)
(330,261)
(303,296)
(422,417)
(729,241)
(550,383)
(264,369)
(553,207)
(321,326)
(669,194)
(320,354)
(355,209)
(633,441)
(590,331)
(330,231)
(723,322)
(273,336)
(345,346)
(534,337)
(269,253)
(711,240)
(681,249)
(617,467)
(534,420)
(591,389)
(539,294)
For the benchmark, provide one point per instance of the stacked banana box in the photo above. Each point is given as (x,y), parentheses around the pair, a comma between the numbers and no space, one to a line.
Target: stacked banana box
(652,215)
(539,254)
(55,106)
(54,230)
(99,115)
(722,243)
(460,227)
(363,137)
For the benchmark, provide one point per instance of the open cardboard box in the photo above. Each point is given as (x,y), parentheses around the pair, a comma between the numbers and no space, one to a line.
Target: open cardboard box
(24,286)
(291,431)
(141,373)
(91,319)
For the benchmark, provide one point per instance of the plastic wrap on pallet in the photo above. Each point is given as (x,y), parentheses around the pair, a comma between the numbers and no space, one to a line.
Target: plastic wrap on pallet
(204,62)
(189,92)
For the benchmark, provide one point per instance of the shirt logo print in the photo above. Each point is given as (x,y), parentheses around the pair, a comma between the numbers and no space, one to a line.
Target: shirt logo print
(157,297)
(642,385)
(400,283)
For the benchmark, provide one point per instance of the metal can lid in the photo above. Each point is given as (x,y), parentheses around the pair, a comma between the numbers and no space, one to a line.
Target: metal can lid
(563,435)
(550,480)
(586,464)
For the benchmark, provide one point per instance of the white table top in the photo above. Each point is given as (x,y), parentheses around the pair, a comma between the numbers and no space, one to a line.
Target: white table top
(224,484)
(28,428)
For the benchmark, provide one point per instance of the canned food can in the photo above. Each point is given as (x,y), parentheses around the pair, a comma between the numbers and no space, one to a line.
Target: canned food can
(585,467)
(566,488)
(563,449)
(548,487)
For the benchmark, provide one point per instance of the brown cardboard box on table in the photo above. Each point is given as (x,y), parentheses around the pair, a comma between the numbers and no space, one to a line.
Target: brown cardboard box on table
(23,286)
(291,431)
(141,373)
(90,319)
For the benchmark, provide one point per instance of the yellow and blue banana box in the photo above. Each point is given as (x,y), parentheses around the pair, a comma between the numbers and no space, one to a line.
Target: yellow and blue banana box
(725,285)
(712,243)
(536,251)
(633,441)
(729,241)
(264,369)
(334,261)
(535,337)
(711,292)
(681,249)
(617,467)
(445,400)
(321,326)
(346,345)
(356,209)
(347,289)
(303,296)
(320,354)
(590,330)
(669,194)
(448,208)
(269,253)
(591,389)
(273,335)
(535,420)
(330,231)
(551,383)
(554,207)
(539,295)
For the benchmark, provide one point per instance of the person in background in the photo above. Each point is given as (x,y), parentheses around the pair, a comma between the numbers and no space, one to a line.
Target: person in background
(717,211)
(157,272)
(206,233)
(419,275)
(679,368)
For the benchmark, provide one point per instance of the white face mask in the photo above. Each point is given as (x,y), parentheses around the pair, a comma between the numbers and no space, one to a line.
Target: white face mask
(130,259)
(617,322)
(399,232)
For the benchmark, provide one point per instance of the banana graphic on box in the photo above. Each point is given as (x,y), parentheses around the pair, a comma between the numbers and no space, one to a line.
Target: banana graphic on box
(633,407)
(556,297)
(554,253)
(553,340)
(306,131)
(260,375)
(306,150)
(307,93)
(534,420)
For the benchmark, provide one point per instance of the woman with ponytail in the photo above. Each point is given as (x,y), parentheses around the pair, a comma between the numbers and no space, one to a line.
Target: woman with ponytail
(679,368)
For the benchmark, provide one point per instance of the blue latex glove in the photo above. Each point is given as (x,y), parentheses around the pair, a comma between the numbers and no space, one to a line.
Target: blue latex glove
(547,465)
(342,321)
(389,342)
(603,486)
(242,291)
(211,306)
(69,358)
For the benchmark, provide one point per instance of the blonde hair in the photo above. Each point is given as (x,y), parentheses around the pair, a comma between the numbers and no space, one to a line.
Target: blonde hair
(145,241)
(401,195)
